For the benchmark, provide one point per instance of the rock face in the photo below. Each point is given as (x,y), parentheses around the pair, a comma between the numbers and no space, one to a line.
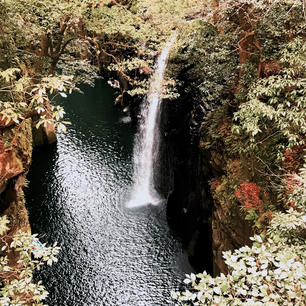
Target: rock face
(227,234)
(182,182)
(205,227)
(15,159)
(229,229)
(44,135)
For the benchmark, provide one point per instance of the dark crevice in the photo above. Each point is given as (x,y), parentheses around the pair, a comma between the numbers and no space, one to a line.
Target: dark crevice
(184,173)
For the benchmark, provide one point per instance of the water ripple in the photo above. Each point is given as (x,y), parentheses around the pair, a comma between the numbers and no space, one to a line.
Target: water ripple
(110,255)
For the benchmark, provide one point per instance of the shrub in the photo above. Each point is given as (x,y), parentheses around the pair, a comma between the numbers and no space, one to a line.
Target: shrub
(21,254)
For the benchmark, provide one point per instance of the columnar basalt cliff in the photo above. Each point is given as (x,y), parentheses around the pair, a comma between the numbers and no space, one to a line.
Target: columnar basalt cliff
(183,179)
(229,231)
(188,169)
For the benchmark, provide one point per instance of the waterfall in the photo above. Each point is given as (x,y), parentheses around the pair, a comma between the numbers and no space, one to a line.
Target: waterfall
(147,140)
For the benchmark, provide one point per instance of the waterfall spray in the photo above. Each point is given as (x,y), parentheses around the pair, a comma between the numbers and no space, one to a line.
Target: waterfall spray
(147,140)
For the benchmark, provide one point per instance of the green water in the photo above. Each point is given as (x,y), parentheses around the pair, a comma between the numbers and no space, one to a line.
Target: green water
(78,190)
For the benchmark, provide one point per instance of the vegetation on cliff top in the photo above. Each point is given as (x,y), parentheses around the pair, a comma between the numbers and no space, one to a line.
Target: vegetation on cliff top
(71,40)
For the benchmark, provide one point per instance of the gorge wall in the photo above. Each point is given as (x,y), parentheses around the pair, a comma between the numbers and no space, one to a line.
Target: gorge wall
(187,172)
(16,145)
(233,141)
(15,159)
(188,199)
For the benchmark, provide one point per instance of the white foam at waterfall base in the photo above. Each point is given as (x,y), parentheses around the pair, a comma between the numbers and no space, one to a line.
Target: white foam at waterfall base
(147,140)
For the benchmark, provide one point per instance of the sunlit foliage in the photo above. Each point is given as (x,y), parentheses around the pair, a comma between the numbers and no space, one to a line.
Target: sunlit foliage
(23,255)
(270,272)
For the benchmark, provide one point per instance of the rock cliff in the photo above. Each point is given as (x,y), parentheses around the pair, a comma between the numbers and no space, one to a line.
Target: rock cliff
(16,144)
(15,160)
(188,170)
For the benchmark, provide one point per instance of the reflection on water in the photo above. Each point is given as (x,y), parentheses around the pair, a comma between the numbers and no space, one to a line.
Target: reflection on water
(110,255)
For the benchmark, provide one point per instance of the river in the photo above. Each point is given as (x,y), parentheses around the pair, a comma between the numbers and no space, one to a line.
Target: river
(110,255)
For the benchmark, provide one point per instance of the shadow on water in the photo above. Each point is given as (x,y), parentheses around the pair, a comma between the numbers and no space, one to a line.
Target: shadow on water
(110,255)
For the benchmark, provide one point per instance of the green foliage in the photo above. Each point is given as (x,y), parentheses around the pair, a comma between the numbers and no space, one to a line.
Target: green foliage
(144,28)
(270,272)
(39,36)
(216,68)
(277,102)
(22,98)
(257,96)
(17,284)
(35,41)
(118,20)
(82,71)
(76,38)
(166,15)
(264,274)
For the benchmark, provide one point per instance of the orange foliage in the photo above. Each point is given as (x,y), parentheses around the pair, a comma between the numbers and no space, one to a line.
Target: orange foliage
(292,158)
(291,204)
(291,183)
(224,128)
(271,68)
(248,194)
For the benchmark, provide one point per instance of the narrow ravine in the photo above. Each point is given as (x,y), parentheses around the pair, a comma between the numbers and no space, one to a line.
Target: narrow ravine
(111,255)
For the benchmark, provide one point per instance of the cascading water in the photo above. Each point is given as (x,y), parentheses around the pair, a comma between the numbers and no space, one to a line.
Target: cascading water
(147,140)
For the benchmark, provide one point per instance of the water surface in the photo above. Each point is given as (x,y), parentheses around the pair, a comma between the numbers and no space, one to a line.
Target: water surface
(77,196)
